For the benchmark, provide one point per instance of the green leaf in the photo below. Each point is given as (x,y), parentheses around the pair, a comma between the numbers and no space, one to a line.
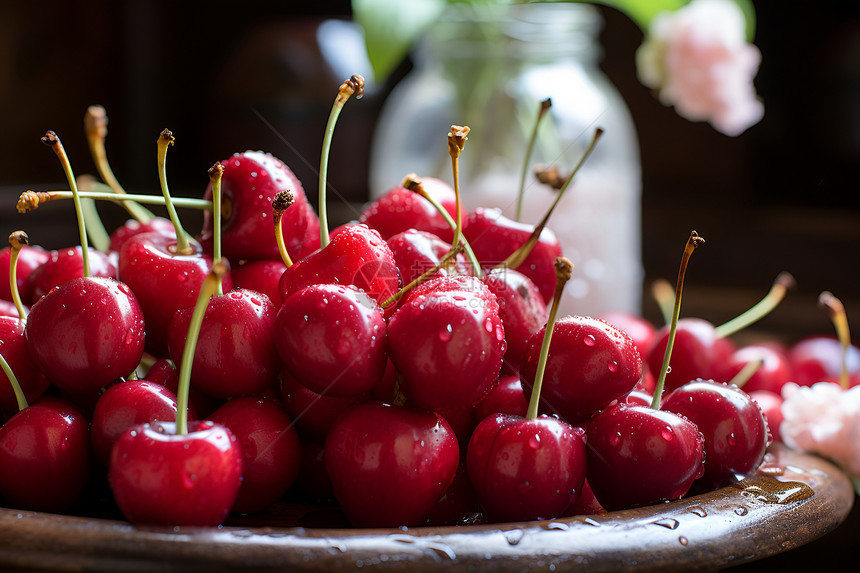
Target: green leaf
(391,27)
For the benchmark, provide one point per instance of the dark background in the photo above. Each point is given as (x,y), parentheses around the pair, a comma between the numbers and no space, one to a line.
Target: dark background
(782,196)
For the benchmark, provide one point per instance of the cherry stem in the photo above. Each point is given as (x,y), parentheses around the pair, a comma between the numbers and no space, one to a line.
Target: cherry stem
(17,241)
(31,200)
(354,85)
(783,282)
(745,373)
(207,289)
(283,200)
(16,386)
(563,272)
(443,262)
(694,241)
(215,174)
(457,138)
(51,140)
(516,258)
(96,232)
(664,294)
(413,183)
(544,107)
(165,140)
(95,127)
(839,318)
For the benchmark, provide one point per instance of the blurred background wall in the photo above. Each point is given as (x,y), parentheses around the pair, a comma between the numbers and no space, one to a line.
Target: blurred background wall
(227,76)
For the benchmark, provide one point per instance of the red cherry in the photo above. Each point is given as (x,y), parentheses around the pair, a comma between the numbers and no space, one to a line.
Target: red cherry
(356,256)
(771,406)
(44,456)
(332,339)
(585,503)
(506,397)
(16,351)
(86,333)
(248,185)
(526,469)
(134,227)
(401,209)
(63,266)
(271,450)
(313,413)
(8,308)
(447,341)
(235,353)
(165,373)
(416,252)
(458,505)
(590,364)
(261,276)
(735,431)
(29,259)
(640,330)
(389,465)
(160,477)
(773,373)
(819,359)
(163,281)
(127,404)
(640,456)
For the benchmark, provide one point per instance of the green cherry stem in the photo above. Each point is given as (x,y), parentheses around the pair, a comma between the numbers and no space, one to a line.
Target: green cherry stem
(664,294)
(746,373)
(563,272)
(544,107)
(165,140)
(31,200)
(413,183)
(17,241)
(215,174)
(783,282)
(207,289)
(452,252)
(692,242)
(354,85)
(51,140)
(95,128)
(516,258)
(16,386)
(839,318)
(283,200)
(457,138)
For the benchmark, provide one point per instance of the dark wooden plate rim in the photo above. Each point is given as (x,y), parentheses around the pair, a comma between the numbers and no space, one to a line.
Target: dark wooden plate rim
(732,525)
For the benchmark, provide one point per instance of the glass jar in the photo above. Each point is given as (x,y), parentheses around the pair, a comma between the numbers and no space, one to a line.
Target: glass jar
(489,67)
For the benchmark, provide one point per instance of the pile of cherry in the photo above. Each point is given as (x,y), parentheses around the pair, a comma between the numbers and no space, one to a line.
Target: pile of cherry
(322,378)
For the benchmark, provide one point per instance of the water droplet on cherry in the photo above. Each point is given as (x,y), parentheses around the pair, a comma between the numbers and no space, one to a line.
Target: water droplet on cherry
(589,340)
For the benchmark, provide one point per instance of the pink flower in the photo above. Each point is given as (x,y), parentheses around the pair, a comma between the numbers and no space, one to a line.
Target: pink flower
(700,62)
(823,419)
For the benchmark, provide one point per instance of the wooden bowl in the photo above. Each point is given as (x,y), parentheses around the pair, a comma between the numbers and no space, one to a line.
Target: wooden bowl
(794,499)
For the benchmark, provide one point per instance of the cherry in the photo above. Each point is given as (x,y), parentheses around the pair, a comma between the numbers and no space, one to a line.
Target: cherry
(447,341)
(86,333)
(248,185)
(64,265)
(774,372)
(819,359)
(506,397)
(356,256)
(640,330)
(8,308)
(313,413)
(134,227)
(458,505)
(400,209)
(165,373)
(418,251)
(235,353)
(29,259)
(388,464)
(262,276)
(127,404)
(44,456)
(271,451)
(771,406)
(732,424)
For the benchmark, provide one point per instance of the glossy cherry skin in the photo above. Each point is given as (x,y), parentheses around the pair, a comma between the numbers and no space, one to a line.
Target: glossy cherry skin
(506,397)
(640,456)
(248,185)
(525,469)
(44,457)
(400,209)
(271,451)
(734,428)
(416,252)
(494,237)
(8,308)
(332,339)
(163,281)
(771,406)
(16,351)
(774,372)
(160,477)
(458,505)
(29,259)
(235,353)
(134,227)
(86,333)
(164,372)
(261,276)
(388,464)
(125,405)
(819,359)
(590,364)
(64,265)
(697,353)
(522,310)
(640,330)
(313,413)
(447,344)
(356,256)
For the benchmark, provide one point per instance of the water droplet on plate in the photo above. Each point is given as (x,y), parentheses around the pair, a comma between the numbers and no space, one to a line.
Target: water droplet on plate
(514,536)
(667,522)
